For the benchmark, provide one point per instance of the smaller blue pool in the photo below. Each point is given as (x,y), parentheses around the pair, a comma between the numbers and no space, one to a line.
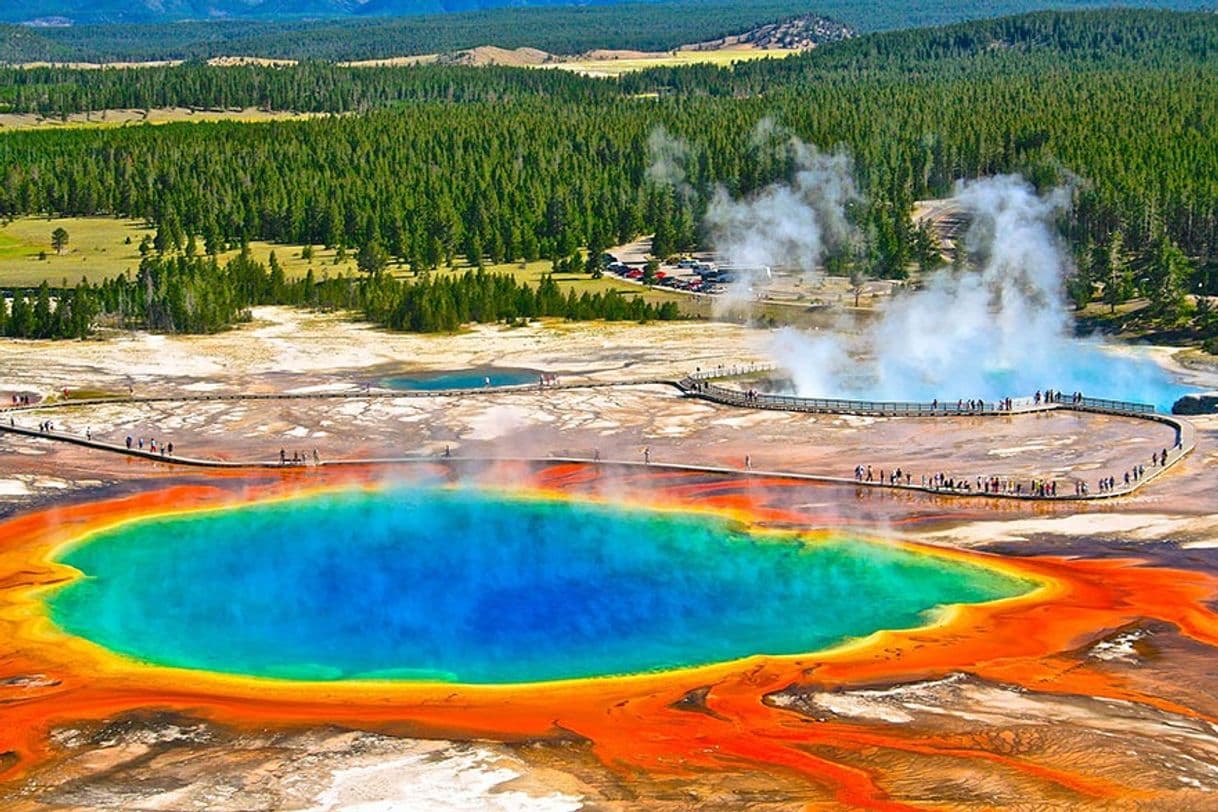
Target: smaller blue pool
(462,379)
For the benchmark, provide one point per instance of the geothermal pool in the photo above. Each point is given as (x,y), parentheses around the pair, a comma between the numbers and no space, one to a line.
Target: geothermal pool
(477,587)
(1097,370)
(462,379)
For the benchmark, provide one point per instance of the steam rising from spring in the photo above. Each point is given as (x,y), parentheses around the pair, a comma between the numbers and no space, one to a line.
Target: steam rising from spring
(787,224)
(667,155)
(967,326)
(997,328)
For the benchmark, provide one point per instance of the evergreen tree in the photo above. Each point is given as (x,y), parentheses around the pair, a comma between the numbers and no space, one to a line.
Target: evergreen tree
(59,240)
(42,323)
(372,258)
(1114,270)
(1167,271)
(21,321)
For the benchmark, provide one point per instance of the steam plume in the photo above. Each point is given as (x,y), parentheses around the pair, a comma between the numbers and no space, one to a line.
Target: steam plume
(787,224)
(667,155)
(998,328)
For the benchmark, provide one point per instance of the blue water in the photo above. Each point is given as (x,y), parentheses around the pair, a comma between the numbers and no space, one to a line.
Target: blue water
(1088,368)
(1073,366)
(477,588)
(462,379)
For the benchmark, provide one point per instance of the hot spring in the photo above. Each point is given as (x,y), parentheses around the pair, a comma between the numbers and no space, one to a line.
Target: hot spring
(477,587)
(462,379)
(1097,370)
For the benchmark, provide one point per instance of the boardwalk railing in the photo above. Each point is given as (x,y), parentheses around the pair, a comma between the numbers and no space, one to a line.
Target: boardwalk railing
(700,384)
(731,371)
(1112,406)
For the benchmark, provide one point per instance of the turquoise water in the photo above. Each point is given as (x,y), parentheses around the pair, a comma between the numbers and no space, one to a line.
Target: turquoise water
(471,587)
(462,379)
(1083,366)
(1095,369)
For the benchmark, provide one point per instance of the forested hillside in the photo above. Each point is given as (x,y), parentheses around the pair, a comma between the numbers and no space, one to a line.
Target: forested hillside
(561,29)
(564,30)
(1123,105)
(1031,45)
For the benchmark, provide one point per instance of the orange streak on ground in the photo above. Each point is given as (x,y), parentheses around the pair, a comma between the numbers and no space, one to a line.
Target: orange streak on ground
(633,723)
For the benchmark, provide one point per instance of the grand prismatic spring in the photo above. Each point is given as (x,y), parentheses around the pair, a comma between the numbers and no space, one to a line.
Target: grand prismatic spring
(469,587)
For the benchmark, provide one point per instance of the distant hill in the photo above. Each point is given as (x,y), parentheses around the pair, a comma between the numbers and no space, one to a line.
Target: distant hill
(876,15)
(802,32)
(83,12)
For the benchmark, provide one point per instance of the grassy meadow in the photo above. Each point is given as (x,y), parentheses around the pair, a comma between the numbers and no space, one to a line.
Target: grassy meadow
(612,67)
(10,122)
(102,247)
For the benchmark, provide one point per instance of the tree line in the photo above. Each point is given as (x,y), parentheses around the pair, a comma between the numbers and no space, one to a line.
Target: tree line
(312,87)
(194,294)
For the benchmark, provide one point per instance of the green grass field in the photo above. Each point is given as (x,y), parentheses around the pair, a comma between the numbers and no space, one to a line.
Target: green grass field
(97,249)
(103,247)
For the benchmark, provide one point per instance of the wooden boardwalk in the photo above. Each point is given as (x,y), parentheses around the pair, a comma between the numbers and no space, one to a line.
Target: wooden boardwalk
(699,385)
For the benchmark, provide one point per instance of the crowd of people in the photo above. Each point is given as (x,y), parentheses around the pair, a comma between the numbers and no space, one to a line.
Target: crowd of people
(944,482)
(164,448)
(302,457)
(1054,396)
(1046,488)
(133,443)
(962,406)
